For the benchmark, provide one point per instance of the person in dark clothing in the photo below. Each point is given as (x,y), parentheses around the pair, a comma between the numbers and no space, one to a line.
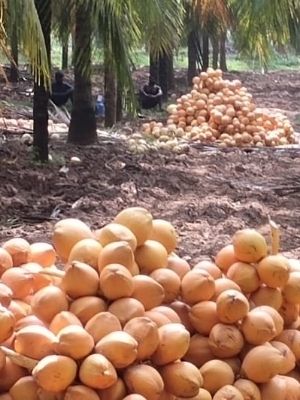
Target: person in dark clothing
(150,96)
(61,92)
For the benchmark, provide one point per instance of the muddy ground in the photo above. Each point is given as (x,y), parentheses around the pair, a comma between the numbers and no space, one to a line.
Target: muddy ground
(207,194)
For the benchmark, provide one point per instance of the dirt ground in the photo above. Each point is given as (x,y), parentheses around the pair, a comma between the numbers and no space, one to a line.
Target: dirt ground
(207,194)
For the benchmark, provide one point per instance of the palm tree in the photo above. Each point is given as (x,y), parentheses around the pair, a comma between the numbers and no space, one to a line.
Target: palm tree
(162,27)
(41,91)
(63,22)
(261,24)
(82,129)
(36,47)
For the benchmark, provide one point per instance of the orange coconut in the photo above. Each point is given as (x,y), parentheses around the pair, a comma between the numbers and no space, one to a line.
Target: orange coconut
(67,233)
(42,254)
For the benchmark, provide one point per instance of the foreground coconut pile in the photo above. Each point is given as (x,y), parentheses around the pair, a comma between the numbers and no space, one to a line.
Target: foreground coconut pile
(126,318)
(217,111)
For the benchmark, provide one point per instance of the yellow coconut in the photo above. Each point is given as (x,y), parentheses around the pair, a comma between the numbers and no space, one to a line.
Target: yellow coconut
(80,280)
(267,296)
(291,291)
(170,282)
(223,284)
(209,267)
(174,342)
(67,233)
(258,327)
(39,280)
(165,233)
(6,260)
(43,254)
(74,341)
(150,256)
(203,316)
(62,320)
(24,388)
(29,320)
(183,311)
(116,233)
(97,372)
(289,312)
(168,312)
(149,292)
(119,348)
(80,392)
(144,380)
(145,332)
(86,251)
(262,363)
(10,374)
(35,342)
(225,258)
(86,307)
(273,270)
(102,324)
(48,302)
(138,220)
(228,392)
(280,388)
(19,249)
(20,281)
(126,308)
(55,373)
(290,359)
(178,265)
(117,253)
(216,374)
(231,306)
(116,282)
(197,285)
(291,337)
(199,351)
(6,295)
(7,323)
(181,379)
(248,389)
(225,340)
(249,246)
(245,275)
(117,391)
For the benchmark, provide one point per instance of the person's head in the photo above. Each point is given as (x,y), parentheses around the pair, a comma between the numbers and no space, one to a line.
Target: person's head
(59,77)
(152,81)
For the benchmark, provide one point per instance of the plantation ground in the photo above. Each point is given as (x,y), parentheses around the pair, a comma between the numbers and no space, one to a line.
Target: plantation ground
(207,194)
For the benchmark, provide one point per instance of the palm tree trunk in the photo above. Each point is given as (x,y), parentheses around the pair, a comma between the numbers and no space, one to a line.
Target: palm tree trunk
(154,67)
(14,72)
(205,44)
(164,74)
(119,113)
(171,77)
(110,88)
(192,58)
(41,94)
(65,54)
(223,61)
(82,129)
(215,48)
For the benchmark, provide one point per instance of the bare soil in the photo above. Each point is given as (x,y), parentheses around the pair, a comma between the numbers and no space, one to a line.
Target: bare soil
(207,194)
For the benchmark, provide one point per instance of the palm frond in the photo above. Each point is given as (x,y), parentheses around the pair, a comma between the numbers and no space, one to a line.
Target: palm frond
(23,13)
(161,23)
(262,23)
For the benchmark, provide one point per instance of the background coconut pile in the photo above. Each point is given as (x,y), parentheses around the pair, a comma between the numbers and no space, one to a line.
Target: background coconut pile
(26,125)
(116,314)
(218,112)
